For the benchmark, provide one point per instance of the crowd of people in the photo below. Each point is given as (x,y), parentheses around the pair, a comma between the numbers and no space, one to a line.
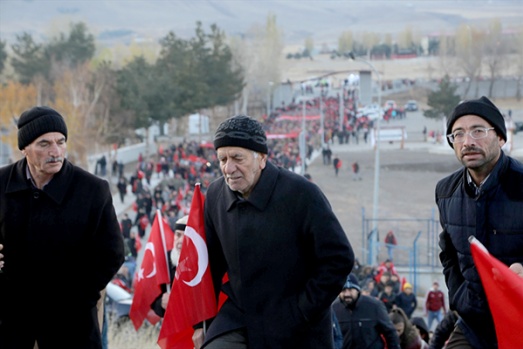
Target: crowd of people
(182,165)
(384,304)
(177,167)
(308,297)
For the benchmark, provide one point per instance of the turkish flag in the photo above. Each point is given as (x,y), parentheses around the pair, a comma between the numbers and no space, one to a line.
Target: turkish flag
(504,290)
(192,298)
(153,271)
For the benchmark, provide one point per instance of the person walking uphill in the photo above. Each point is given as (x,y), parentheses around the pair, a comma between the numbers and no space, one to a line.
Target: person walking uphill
(54,216)
(484,199)
(276,236)
(337,164)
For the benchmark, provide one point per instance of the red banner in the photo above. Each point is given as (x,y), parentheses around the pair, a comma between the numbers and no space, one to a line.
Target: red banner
(504,290)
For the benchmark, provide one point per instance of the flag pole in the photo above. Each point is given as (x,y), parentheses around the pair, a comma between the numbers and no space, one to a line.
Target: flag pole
(164,244)
(204,328)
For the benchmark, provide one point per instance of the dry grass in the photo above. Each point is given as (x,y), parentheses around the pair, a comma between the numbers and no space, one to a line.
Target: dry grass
(125,337)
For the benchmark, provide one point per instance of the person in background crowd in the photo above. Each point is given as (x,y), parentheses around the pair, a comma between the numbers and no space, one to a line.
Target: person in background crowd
(421,326)
(337,164)
(386,267)
(435,304)
(409,337)
(54,216)
(276,298)
(363,320)
(122,188)
(160,303)
(483,199)
(406,300)
(125,225)
(356,171)
(384,279)
(390,242)
(443,331)
(396,283)
(388,297)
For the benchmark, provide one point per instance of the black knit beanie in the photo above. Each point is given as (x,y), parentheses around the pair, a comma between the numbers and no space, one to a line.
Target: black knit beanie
(483,108)
(241,131)
(37,121)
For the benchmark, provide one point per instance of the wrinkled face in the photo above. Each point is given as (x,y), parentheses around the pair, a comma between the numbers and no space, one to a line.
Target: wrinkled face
(349,295)
(400,328)
(477,154)
(241,168)
(45,155)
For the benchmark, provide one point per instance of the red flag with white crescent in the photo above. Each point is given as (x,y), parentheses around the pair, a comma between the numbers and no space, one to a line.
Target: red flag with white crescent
(192,299)
(504,290)
(153,271)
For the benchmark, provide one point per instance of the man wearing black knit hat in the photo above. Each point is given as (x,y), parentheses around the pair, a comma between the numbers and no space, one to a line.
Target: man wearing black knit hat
(363,320)
(484,199)
(275,235)
(54,216)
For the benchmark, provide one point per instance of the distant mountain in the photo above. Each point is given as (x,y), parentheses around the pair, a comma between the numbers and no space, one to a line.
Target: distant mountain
(120,21)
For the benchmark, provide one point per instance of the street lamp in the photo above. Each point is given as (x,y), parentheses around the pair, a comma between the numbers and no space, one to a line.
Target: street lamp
(269,91)
(373,257)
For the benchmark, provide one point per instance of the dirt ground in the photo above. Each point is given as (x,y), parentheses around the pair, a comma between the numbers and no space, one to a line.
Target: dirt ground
(407,180)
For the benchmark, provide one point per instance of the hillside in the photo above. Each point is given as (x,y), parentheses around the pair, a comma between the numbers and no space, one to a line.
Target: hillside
(118,21)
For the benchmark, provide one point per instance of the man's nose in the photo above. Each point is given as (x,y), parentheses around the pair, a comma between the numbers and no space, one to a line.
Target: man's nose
(54,149)
(468,140)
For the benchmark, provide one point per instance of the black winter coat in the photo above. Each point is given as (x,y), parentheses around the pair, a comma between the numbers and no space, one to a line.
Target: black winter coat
(287,258)
(363,324)
(62,245)
(495,218)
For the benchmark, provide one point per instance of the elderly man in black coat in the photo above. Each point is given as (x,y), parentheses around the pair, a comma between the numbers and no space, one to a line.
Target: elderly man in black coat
(61,242)
(275,235)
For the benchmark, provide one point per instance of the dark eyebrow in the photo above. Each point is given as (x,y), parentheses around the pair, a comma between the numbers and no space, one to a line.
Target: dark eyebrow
(471,127)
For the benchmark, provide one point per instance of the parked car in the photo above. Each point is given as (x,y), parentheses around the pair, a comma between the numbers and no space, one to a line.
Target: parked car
(117,303)
(411,105)
(390,104)
(372,111)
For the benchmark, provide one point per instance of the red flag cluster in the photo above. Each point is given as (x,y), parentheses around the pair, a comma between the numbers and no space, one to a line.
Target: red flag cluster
(153,271)
(504,290)
(192,298)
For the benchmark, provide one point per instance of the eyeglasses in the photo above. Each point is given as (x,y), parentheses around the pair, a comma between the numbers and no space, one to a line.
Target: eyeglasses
(476,133)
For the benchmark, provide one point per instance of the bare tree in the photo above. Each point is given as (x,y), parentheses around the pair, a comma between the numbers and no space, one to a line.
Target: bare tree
(345,42)
(447,63)
(77,95)
(496,50)
(259,53)
(469,54)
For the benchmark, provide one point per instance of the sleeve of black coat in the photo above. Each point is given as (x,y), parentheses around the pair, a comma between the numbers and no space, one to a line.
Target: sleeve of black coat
(449,260)
(332,255)
(107,246)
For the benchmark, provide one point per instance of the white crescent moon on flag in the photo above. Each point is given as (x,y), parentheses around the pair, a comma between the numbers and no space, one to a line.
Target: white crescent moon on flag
(201,250)
(150,246)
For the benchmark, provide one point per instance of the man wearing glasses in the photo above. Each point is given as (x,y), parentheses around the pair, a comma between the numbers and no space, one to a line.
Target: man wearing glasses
(483,199)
